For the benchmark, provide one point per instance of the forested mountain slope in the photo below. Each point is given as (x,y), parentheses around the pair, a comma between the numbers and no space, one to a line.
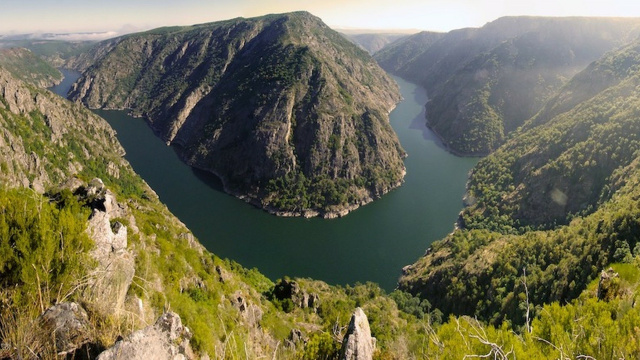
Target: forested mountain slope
(484,83)
(27,66)
(372,41)
(287,112)
(575,174)
(566,160)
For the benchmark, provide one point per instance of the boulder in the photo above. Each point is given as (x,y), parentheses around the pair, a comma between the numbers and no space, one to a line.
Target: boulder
(358,343)
(95,187)
(166,339)
(68,324)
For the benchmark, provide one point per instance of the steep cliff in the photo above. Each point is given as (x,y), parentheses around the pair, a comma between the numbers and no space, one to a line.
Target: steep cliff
(288,113)
(40,147)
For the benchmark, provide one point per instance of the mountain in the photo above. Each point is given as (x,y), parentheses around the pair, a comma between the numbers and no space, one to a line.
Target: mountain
(27,66)
(54,52)
(563,162)
(100,267)
(36,126)
(287,112)
(395,56)
(372,41)
(484,83)
(553,206)
(88,264)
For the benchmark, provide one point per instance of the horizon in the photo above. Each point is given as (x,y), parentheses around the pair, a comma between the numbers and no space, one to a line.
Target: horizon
(119,17)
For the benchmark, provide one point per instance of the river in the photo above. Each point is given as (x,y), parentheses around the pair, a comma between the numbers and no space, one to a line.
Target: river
(372,243)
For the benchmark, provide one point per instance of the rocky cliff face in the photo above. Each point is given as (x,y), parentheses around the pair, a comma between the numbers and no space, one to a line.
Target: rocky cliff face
(109,281)
(35,127)
(166,339)
(288,113)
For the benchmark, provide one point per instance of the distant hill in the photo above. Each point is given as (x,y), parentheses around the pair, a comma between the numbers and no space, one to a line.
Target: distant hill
(54,52)
(287,112)
(27,66)
(373,42)
(483,83)
(402,52)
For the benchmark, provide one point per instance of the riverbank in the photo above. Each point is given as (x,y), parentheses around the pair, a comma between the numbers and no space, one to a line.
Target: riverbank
(371,244)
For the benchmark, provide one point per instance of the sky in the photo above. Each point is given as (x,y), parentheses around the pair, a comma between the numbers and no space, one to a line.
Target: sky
(122,16)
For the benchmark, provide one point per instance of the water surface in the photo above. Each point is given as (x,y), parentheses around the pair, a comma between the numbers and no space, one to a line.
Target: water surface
(372,243)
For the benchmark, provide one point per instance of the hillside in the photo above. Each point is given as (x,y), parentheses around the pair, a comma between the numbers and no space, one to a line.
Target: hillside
(565,161)
(109,250)
(88,266)
(372,42)
(55,52)
(27,66)
(574,177)
(287,112)
(397,55)
(36,127)
(484,83)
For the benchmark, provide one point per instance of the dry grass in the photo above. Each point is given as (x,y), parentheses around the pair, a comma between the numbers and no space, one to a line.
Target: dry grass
(22,336)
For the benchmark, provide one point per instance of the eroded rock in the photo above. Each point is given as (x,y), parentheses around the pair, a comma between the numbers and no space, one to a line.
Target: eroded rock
(358,344)
(68,324)
(116,266)
(251,313)
(166,339)
(286,289)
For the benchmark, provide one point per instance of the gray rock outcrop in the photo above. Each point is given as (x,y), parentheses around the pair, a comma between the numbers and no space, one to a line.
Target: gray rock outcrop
(116,265)
(68,324)
(358,343)
(251,313)
(286,289)
(166,339)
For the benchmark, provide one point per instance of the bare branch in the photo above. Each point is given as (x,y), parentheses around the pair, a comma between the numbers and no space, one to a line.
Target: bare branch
(526,290)
(562,355)
(480,335)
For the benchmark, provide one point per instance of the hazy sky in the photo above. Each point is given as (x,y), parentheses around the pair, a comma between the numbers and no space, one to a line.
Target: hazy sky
(26,16)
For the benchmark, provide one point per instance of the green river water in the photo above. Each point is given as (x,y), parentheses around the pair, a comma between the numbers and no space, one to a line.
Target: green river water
(372,243)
